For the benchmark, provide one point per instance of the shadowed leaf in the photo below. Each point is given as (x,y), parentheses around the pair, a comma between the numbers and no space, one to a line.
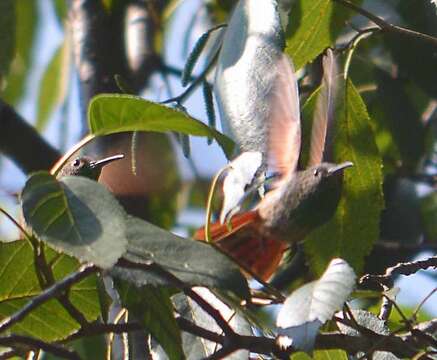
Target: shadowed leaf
(153,308)
(77,216)
(193,262)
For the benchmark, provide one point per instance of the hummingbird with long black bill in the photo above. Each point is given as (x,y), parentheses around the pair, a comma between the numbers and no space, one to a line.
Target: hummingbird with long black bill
(87,167)
(300,200)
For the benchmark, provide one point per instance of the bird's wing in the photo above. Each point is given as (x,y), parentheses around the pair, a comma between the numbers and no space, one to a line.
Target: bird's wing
(255,253)
(321,134)
(284,119)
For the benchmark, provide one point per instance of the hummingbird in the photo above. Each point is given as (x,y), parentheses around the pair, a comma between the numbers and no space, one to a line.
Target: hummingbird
(300,200)
(86,166)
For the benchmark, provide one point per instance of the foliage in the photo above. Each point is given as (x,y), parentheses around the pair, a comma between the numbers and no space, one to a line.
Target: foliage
(83,257)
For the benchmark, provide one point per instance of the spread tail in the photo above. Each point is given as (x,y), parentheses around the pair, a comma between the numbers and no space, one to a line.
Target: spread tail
(253,251)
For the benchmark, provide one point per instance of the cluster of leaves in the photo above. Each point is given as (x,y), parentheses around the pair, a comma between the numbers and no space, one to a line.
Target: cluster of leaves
(76,221)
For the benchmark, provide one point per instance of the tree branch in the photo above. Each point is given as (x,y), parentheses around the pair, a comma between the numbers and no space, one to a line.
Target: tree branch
(22,143)
(387,27)
(50,293)
(407,268)
(36,344)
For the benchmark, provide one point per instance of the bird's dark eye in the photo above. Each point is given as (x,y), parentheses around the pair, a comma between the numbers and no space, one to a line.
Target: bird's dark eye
(316,172)
(76,163)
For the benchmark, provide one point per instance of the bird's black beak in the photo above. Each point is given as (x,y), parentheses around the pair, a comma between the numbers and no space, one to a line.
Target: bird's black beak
(339,167)
(100,163)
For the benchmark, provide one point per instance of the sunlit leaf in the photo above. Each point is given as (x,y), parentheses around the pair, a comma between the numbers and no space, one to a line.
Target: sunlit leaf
(108,114)
(54,84)
(310,306)
(153,308)
(193,262)
(19,284)
(77,216)
(313,26)
(355,225)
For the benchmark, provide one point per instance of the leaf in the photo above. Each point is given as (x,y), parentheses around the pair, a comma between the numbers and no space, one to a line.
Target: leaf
(355,225)
(189,309)
(401,118)
(53,86)
(310,306)
(7,36)
(429,214)
(372,322)
(193,262)
(77,216)
(321,355)
(26,17)
(415,59)
(19,284)
(153,308)
(112,113)
(314,25)
(241,173)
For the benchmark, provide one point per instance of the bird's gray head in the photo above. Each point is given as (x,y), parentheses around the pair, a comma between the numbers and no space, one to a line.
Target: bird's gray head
(86,166)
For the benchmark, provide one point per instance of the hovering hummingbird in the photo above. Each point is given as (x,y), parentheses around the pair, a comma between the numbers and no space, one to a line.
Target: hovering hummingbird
(86,166)
(300,200)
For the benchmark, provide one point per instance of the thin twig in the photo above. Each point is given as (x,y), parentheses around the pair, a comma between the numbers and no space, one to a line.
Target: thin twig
(36,344)
(175,281)
(50,293)
(387,27)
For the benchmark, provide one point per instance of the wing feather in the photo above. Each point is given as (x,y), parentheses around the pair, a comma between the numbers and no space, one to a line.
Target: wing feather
(284,119)
(320,148)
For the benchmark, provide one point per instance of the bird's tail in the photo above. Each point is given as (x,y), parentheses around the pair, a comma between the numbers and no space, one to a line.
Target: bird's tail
(256,253)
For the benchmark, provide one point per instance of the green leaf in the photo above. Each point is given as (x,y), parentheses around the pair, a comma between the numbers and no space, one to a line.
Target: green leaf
(153,308)
(112,113)
(429,215)
(415,59)
(313,26)
(53,86)
(77,216)
(19,284)
(321,355)
(26,16)
(7,36)
(355,225)
(401,118)
(194,262)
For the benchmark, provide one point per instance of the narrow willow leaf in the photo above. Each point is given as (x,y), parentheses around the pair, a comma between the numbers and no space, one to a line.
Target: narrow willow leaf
(77,216)
(313,26)
(7,36)
(153,308)
(355,225)
(53,87)
(185,142)
(209,106)
(193,262)
(108,114)
(193,58)
(19,284)
(26,17)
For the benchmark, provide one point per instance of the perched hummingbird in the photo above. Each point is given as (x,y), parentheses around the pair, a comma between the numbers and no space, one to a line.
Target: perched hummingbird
(300,201)
(86,166)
